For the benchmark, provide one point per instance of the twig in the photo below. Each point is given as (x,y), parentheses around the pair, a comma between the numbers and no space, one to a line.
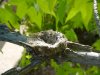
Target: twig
(96,16)
(30,67)
(23,71)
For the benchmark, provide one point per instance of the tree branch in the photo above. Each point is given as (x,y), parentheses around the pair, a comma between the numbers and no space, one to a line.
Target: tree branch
(47,43)
(23,71)
(87,58)
(52,45)
(96,16)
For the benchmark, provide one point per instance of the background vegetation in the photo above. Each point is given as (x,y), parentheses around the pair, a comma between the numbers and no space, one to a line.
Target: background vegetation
(74,18)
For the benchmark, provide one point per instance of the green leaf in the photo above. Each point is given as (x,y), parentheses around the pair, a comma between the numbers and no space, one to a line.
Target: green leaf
(70,34)
(13,19)
(17,2)
(61,10)
(44,6)
(96,45)
(2,12)
(85,8)
(74,10)
(24,61)
(30,2)
(51,4)
(54,64)
(22,8)
(6,14)
(35,17)
(77,21)
(14,1)
(28,56)
(99,7)
(86,12)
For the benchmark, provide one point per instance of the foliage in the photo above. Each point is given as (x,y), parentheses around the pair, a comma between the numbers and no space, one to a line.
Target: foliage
(65,16)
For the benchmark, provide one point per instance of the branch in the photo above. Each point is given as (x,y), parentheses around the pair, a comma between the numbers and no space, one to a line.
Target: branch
(23,71)
(96,16)
(48,43)
(87,58)
(51,45)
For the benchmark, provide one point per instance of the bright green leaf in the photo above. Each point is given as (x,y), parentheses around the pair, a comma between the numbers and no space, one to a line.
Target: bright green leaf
(28,56)
(86,12)
(61,10)
(15,2)
(43,4)
(24,61)
(30,2)
(22,8)
(35,16)
(75,9)
(51,4)
(71,14)
(97,44)
(70,34)
(77,21)
(7,15)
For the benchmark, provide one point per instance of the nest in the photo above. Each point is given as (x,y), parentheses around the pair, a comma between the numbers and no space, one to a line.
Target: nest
(46,43)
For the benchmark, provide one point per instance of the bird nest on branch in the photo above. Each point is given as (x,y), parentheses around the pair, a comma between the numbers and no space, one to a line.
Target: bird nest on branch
(47,45)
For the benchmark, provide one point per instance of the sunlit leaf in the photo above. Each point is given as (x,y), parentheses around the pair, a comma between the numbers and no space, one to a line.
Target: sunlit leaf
(6,15)
(22,8)
(15,2)
(86,11)
(99,6)
(13,19)
(75,9)
(69,4)
(77,21)
(24,61)
(97,44)
(28,56)
(61,10)
(43,4)
(70,34)
(30,2)
(51,4)
(35,17)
